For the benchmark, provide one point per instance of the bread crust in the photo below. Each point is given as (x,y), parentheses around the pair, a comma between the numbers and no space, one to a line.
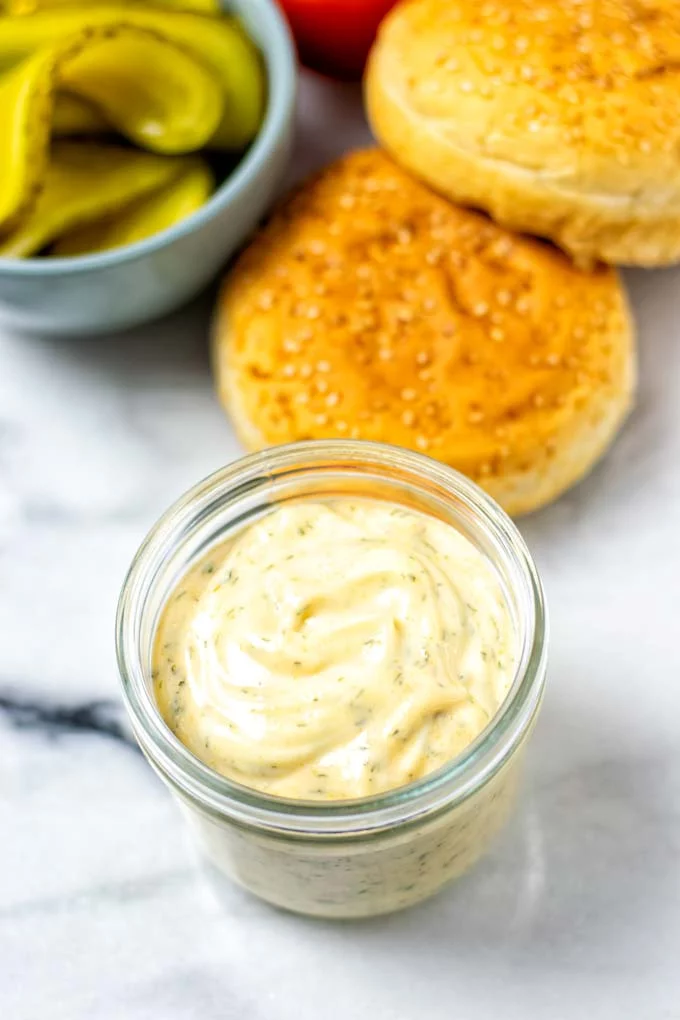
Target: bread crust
(561,119)
(370,307)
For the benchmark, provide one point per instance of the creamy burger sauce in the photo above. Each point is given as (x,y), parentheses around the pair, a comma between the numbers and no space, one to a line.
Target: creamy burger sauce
(334,650)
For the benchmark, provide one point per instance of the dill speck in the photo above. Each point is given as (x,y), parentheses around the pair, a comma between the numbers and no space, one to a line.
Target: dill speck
(209,568)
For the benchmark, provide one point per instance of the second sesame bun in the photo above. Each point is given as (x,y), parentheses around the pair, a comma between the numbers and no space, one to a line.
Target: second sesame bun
(369,307)
(561,119)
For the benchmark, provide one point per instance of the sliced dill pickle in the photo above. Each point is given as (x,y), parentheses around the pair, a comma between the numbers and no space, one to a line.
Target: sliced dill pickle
(219,43)
(75,116)
(143,218)
(26,102)
(86,182)
(150,90)
(31,6)
(155,93)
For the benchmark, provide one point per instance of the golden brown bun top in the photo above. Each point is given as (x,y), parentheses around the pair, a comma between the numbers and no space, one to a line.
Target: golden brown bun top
(585,91)
(370,307)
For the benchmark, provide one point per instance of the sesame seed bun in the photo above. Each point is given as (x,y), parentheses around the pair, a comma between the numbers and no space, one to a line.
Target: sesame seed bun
(559,119)
(369,307)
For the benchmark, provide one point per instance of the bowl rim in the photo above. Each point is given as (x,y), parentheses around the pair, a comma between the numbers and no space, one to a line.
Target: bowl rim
(280,58)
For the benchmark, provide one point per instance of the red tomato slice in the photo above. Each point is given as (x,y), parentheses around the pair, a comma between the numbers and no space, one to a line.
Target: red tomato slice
(334,36)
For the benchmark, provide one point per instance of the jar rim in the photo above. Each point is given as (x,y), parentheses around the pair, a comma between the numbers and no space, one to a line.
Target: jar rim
(442,789)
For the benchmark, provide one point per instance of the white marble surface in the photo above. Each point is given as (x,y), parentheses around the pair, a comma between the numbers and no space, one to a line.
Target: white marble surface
(577,911)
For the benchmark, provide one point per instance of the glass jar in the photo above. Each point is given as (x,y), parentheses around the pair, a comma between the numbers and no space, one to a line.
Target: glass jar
(339,858)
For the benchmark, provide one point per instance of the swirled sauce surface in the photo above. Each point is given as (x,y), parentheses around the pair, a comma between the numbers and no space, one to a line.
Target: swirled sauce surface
(334,650)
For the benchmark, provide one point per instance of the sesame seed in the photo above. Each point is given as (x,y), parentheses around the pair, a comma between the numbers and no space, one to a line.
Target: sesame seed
(422,442)
(480,309)
(291,346)
(433,256)
(313,312)
(332,399)
(321,419)
(408,394)
(321,386)
(408,418)
(422,358)
(323,366)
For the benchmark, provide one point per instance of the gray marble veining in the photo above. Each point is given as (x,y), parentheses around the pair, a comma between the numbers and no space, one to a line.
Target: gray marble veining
(103,915)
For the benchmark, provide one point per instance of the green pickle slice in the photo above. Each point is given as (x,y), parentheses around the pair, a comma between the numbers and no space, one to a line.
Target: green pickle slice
(26,103)
(218,43)
(151,90)
(143,218)
(172,108)
(31,6)
(172,78)
(85,183)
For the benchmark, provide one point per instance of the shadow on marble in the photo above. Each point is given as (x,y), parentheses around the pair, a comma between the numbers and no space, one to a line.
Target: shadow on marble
(582,872)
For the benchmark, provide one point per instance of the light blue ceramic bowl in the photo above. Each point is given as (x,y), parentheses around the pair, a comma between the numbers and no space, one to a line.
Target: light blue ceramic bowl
(126,286)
